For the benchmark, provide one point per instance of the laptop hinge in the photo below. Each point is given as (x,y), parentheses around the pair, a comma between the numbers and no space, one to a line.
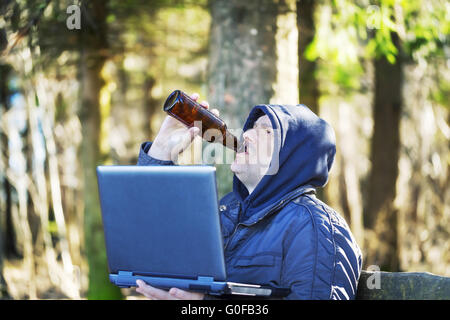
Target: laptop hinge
(206,279)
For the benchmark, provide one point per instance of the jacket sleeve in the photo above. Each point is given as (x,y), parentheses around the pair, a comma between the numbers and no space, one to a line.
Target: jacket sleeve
(300,260)
(145,160)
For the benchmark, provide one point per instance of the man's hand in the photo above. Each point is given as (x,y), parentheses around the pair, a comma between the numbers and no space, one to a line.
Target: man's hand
(173,294)
(174,137)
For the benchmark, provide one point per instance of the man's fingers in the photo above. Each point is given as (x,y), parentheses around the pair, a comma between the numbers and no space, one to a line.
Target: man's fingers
(185,295)
(195,96)
(144,293)
(194,131)
(151,292)
(144,289)
(215,111)
(188,137)
(173,294)
(180,294)
(205,104)
(184,142)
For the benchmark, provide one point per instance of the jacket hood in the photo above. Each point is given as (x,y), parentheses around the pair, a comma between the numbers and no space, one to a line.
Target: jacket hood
(304,150)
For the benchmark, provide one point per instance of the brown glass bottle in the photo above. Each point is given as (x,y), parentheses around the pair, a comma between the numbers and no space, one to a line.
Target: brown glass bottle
(180,106)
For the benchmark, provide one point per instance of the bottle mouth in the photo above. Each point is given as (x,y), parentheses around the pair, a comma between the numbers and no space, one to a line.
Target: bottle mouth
(171,100)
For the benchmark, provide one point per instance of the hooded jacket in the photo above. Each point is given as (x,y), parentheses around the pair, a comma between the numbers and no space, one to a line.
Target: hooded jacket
(281,234)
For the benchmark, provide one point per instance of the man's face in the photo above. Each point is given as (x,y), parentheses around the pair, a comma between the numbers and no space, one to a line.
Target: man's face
(251,164)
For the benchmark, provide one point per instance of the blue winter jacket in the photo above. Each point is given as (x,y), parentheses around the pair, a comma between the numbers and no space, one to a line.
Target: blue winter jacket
(281,234)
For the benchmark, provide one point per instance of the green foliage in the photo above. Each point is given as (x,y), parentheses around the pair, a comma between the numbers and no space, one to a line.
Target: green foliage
(349,32)
(336,45)
(441,93)
(224,178)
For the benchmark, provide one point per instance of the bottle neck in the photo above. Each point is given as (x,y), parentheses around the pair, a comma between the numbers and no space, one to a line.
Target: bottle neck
(230,141)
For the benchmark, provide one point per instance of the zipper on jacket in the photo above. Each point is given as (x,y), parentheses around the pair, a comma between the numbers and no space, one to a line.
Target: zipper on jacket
(235,228)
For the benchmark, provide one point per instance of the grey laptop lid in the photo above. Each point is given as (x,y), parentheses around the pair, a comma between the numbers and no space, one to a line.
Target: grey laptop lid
(162,220)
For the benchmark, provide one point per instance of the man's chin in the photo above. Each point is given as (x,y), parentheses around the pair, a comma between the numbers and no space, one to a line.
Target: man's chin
(236,168)
(240,168)
(240,174)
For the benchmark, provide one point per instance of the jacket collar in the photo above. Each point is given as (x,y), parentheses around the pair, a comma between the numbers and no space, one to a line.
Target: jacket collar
(255,217)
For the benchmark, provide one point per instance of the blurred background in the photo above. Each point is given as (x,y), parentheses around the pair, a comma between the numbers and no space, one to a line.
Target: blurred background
(82,83)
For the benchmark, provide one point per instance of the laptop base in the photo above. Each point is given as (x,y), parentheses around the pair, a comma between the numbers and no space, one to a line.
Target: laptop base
(126,279)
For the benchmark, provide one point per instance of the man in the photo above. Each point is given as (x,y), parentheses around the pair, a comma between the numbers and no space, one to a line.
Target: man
(275,231)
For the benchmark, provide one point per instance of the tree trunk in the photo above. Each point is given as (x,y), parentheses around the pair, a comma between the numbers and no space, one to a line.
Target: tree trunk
(380,214)
(308,85)
(242,57)
(242,63)
(6,238)
(93,57)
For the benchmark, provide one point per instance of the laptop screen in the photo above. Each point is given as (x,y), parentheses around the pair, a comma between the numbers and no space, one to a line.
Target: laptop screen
(162,220)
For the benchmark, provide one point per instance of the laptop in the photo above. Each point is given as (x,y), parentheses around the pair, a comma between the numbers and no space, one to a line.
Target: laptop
(162,225)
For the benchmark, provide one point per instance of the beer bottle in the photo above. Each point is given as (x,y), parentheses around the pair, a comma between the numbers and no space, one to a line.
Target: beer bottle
(180,106)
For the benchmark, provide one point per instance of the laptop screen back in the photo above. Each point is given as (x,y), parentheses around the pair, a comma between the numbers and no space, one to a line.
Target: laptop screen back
(162,220)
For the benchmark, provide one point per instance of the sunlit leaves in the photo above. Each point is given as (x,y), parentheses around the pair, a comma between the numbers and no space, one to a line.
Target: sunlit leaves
(336,44)
(349,32)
